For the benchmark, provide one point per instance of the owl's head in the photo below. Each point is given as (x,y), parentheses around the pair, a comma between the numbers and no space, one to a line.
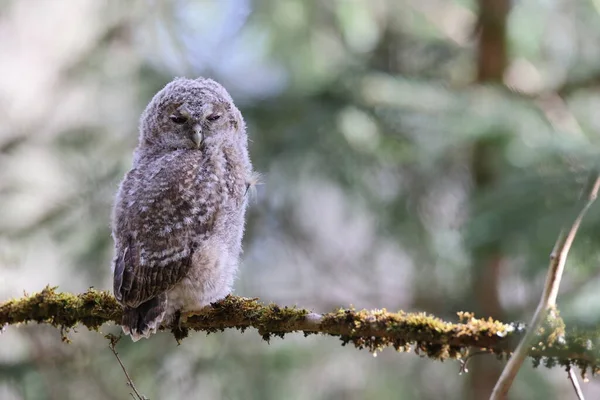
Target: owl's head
(190,114)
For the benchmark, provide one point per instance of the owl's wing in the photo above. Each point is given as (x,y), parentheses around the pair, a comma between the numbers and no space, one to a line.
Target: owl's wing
(149,260)
(135,283)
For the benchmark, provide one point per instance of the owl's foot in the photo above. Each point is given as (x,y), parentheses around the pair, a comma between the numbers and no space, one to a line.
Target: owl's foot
(179,332)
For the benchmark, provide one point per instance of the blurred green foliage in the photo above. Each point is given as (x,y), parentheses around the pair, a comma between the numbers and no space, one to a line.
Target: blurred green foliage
(364,117)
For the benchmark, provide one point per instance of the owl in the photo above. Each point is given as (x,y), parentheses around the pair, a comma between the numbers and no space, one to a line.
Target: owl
(178,217)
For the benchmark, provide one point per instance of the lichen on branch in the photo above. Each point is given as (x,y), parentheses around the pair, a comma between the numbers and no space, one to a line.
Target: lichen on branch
(373,330)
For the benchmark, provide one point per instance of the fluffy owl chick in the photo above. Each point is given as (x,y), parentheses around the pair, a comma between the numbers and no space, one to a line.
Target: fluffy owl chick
(178,217)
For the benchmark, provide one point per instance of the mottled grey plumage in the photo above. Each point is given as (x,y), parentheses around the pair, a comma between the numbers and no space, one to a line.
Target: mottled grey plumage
(178,218)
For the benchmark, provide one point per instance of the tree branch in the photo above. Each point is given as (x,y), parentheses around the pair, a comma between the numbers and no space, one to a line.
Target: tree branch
(373,330)
(547,304)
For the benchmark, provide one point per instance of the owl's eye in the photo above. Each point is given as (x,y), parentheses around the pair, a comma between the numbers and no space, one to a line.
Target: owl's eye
(213,117)
(178,119)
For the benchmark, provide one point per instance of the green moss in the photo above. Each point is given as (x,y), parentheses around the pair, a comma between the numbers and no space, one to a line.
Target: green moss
(372,330)
(65,310)
(240,313)
(430,335)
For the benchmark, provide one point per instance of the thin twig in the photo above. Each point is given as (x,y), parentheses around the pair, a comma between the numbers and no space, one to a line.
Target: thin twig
(575,383)
(113,342)
(558,260)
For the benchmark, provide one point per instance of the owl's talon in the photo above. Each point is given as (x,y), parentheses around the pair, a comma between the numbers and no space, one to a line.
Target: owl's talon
(182,319)
(178,330)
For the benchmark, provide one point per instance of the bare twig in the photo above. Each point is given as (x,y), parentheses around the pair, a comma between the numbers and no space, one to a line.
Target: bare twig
(113,342)
(547,302)
(575,383)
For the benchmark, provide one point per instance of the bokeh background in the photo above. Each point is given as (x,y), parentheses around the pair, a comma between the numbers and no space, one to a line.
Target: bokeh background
(416,154)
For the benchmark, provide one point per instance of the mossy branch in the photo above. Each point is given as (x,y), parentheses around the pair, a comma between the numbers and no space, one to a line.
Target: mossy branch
(372,330)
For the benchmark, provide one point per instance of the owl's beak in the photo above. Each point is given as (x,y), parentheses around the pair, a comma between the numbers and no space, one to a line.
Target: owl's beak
(197,136)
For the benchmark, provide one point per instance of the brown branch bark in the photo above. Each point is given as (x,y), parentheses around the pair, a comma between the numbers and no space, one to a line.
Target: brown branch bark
(373,330)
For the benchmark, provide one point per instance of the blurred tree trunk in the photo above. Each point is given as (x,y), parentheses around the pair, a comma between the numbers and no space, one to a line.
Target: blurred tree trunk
(488,259)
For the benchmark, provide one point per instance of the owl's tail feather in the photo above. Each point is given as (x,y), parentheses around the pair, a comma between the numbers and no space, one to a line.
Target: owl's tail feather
(144,320)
